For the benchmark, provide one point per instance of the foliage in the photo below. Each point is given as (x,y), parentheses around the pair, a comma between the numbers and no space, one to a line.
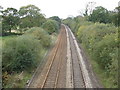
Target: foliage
(27,17)
(101,42)
(29,10)
(16,80)
(20,53)
(23,52)
(41,35)
(100,14)
(116,16)
(10,19)
(50,26)
(31,16)
(56,18)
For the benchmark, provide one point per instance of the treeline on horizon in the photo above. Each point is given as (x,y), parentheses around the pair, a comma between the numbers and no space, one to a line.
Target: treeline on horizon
(30,16)
(26,17)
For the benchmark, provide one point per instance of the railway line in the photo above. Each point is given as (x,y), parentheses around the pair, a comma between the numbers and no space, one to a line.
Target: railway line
(53,73)
(65,67)
(78,81)
(80,77)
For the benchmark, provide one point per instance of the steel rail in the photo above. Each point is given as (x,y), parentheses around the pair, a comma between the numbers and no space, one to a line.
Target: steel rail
(85,73)
(55,53)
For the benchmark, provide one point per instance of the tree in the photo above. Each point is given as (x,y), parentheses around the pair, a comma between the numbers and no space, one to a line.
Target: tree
(30,16)
(50,26)
(56,18)
(89,8)
(116,16)
(100,14)
(10,19)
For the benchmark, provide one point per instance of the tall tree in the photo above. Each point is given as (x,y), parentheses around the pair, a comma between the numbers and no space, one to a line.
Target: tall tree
(10,19)
(89,8)
(100,14)
(117,16)
(50,26)
(30,16)
(56,18)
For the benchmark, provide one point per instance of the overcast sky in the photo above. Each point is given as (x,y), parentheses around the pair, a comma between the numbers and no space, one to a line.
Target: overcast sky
(61,8)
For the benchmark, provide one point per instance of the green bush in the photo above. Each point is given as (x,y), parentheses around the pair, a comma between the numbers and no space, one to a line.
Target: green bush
(105,50)
(51,26)
(101,42)
(21,53)
(56,18)
(93,33)
(95,38)
(41,35)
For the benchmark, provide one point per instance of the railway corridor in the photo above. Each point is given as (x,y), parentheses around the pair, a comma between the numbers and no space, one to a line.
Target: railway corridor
(65,67)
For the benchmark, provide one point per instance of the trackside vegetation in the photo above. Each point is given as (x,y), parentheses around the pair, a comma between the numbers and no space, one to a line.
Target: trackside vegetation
(51,26)
(24,53)
(100,41)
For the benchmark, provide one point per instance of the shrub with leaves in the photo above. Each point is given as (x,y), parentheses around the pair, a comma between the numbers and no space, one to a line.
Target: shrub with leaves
(101,42)
(21,53)
(41,35)
(56,18)
(51,26)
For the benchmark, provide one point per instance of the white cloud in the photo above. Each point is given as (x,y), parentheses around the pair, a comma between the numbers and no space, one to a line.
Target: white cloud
(61,8)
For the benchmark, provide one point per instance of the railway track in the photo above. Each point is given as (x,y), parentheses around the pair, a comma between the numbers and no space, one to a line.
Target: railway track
(79,75)
(78,81)
(53,73)
(65,67)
